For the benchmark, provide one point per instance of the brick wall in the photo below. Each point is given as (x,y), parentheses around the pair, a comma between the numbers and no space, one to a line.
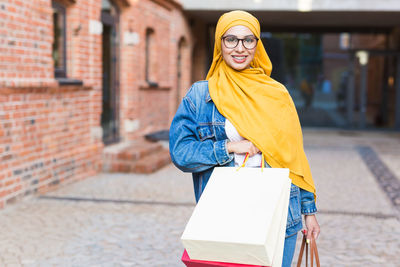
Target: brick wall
(51,134)
(25,43)
(182,43)
(168,26)
(45,140)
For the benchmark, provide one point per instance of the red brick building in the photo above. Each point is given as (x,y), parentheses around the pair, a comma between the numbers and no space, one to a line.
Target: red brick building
(78,75)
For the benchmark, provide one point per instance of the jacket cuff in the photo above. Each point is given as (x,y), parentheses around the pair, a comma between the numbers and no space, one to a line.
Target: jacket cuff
(308,206)
(221,152)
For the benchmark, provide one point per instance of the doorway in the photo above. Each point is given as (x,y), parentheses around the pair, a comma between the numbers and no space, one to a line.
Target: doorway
(375,76)
(110,99)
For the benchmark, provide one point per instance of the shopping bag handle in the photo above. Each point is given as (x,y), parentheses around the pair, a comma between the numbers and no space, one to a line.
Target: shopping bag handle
(247,157)
(313,251)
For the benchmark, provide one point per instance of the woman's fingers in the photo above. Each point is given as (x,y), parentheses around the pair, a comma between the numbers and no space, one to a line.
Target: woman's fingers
(253,149)
(313,231)
(316,234)
(242,147)
(312,226)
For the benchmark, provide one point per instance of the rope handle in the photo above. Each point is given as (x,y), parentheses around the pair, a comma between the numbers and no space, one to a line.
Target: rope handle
(247,157)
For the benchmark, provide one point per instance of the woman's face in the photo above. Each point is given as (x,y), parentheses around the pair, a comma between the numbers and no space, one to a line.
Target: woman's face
(239,57)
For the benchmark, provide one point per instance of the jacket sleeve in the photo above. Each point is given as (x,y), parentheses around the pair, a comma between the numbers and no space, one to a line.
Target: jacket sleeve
(307,202)
(187,152)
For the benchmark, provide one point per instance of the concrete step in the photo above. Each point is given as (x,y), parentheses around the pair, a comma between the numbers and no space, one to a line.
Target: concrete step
(139,150)
(153,162)
(140,156)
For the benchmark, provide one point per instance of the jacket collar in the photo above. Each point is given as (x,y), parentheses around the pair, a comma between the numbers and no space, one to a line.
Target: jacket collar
(208,97)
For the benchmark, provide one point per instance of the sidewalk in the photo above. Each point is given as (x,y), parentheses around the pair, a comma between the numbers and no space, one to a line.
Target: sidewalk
(137,220)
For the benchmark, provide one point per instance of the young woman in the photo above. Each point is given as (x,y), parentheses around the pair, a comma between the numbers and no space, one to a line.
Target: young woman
(240,109)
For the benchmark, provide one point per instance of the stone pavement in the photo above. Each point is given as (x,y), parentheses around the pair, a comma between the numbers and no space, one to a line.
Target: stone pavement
(137,220)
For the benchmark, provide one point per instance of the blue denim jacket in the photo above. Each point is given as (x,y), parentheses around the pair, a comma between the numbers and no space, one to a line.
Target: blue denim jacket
(197,142)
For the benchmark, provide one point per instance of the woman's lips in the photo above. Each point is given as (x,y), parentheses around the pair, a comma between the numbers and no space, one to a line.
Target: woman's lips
(239,59)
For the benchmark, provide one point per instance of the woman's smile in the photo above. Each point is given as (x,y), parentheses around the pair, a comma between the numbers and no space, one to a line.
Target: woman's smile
(239,59)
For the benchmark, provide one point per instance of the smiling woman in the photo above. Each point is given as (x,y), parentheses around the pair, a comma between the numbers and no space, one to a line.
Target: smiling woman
(238,47)
(240,110)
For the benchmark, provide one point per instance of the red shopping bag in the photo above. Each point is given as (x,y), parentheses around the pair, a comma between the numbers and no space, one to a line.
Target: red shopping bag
(197,263)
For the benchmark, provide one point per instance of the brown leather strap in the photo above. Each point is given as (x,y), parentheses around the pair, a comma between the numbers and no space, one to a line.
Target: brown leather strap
(316,252)
(307,255)
(313,252)
(303,243)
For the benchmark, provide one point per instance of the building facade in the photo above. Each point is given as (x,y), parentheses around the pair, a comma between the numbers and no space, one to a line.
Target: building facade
(77,76)
(81,78)
(340,60)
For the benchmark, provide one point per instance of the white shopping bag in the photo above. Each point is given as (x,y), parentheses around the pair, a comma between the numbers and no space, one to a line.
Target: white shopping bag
(240,217)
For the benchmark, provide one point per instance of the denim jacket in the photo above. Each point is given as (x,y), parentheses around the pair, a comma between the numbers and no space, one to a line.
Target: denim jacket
(197,142)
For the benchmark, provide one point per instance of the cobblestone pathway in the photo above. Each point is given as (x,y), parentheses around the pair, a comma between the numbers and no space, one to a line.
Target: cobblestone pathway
(137,220)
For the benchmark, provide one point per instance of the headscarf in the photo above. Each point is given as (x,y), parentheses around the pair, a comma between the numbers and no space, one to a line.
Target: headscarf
(259,107)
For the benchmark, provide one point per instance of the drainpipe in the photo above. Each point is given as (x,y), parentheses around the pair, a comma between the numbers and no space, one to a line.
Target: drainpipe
(350,92)
(397,103)
(363,59)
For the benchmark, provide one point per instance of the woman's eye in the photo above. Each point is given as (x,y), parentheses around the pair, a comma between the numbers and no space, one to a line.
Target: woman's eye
(231,39)
(249,40)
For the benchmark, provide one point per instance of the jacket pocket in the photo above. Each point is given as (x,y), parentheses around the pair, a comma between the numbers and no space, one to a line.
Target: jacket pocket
(205,132)
(294,213)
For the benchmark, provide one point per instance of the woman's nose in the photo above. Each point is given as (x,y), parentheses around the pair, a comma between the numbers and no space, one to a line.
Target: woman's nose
(240,47)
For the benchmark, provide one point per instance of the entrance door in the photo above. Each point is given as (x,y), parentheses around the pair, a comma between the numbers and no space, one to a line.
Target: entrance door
(374,76)
(110,103)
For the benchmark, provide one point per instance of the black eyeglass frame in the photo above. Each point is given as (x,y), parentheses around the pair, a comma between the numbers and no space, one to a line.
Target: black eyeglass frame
(238,40)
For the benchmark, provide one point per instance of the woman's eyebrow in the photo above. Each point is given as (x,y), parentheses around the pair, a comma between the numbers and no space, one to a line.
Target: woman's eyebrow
(232,35)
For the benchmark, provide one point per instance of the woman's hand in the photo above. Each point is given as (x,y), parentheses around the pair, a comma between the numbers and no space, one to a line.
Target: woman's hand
(312,226)
(242,147)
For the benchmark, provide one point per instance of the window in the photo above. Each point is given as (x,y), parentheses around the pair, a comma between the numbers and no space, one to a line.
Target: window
(150,59)
(59,43)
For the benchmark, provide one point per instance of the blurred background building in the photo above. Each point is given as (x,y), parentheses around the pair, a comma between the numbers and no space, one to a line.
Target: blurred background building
(82,82)
(339,59)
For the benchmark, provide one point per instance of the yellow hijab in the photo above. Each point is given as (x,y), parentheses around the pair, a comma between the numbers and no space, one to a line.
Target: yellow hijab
(259,107)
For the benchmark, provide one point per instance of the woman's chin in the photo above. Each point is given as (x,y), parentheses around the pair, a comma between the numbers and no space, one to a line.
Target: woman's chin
(239,67)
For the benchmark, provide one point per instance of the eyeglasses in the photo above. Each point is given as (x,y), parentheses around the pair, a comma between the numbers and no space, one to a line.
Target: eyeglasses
(231,41)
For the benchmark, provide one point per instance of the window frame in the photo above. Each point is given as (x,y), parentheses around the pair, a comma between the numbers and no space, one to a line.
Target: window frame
(60,72)
(150,35)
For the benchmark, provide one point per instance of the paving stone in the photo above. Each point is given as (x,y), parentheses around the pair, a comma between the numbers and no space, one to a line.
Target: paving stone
(137,220)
